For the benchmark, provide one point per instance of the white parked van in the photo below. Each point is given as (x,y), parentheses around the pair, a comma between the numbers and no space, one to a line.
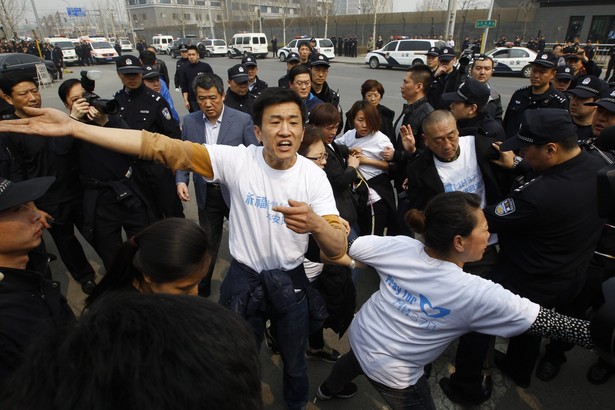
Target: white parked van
(68,49)
(162,43)
(402,53)
(243,44)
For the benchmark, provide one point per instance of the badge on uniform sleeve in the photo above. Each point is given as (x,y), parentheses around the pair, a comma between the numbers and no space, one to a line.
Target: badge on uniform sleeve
(166,113)
(506,207)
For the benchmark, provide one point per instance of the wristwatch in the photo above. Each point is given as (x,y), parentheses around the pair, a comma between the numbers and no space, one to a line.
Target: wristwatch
(352,264)
(516,161)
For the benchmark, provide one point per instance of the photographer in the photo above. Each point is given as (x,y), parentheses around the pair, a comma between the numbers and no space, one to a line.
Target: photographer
(579,62)
(111,198)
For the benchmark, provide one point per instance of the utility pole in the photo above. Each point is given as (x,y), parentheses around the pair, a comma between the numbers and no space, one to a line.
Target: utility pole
(484,42)
(38,21)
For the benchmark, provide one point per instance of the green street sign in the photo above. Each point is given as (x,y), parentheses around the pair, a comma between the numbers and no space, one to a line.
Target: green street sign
(485,23)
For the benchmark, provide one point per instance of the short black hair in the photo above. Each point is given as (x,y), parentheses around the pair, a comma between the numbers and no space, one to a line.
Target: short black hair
(207,81)
(193,47)
(274,96)
(65,88)
(420,73)
(296,70)
(8,82)
(147,57)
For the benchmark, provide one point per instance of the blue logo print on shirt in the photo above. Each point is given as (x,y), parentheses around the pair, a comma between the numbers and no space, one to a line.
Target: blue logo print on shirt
(430,311)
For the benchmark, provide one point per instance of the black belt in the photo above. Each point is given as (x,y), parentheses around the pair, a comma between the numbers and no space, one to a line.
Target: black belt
(213,186)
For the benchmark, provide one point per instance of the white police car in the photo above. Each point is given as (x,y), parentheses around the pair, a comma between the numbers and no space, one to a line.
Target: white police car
(512,60)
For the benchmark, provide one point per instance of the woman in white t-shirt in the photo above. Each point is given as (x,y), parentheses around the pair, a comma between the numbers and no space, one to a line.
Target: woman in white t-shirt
(426,301)
(377,209)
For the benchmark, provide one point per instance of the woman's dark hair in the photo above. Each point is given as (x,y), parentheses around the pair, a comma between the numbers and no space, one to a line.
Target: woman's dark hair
(447,215)
(372,116)
(137,351)
(311,135)
(324,114)
(65,88)
(370,85)
(166,251)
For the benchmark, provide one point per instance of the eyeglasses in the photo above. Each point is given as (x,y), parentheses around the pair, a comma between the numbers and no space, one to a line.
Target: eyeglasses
(302,83)
(369,96)
(323,157)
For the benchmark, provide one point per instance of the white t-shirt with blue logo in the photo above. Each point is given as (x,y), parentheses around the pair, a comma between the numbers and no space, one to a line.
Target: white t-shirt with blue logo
(258,236)
(422,306)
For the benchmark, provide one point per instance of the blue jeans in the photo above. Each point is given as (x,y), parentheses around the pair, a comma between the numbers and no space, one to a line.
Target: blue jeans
(291,334)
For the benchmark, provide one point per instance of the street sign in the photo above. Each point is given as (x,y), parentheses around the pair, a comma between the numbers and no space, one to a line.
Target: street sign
(75,12)
(485,23)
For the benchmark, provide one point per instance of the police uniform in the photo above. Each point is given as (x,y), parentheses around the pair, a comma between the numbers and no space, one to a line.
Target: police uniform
(547,229)
(233,100)
(257,87)
(284,80)
(145,109)
(523,99)
(588,87)
(178,67)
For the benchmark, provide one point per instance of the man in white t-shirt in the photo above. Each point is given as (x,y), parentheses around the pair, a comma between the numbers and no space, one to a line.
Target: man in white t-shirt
(278,197)
(451,163)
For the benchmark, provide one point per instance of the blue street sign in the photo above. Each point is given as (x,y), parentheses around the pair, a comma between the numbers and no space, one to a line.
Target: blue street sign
(75,12)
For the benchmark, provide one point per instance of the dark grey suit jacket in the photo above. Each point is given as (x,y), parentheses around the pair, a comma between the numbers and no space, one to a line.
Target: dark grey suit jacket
(236,129)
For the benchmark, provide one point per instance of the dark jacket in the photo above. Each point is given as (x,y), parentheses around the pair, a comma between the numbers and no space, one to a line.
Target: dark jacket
(481,125)
(523,99)
(341,177)
(424,182)
(258,87)
(145,109)
(29,302)
(239,102)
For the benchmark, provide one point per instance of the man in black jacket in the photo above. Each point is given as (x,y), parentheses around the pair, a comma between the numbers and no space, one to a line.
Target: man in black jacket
(29,299)
(36,157)
(145,109)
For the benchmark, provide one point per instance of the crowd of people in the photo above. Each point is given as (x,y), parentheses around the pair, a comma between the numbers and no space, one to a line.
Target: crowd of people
(450,196)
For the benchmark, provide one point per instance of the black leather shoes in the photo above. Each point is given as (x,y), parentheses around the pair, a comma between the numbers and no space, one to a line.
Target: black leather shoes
(501,362)
(546,370)
(88,286)
(464,400)
(600,372)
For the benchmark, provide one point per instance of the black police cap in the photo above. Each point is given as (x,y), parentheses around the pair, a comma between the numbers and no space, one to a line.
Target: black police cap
(541,126)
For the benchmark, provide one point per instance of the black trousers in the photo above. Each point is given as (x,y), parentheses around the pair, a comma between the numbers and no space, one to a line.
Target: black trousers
(110,219)
(67,216)
(473,347)
(158,182)
(211,220)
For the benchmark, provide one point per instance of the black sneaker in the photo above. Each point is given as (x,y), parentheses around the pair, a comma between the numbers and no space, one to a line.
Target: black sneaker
(347,392)
(326,354)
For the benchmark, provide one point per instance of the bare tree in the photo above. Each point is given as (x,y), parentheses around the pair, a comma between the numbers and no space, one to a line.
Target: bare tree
(328,9)
(285,19)
(527,6)
(377,7)
(429,5)
(11,13)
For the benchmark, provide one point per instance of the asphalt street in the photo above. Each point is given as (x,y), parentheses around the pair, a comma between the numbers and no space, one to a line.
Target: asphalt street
(570,390)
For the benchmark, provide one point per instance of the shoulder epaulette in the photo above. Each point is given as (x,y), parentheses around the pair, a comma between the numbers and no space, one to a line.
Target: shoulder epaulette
(528,183)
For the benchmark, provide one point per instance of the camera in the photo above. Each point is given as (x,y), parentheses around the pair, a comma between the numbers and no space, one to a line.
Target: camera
(88,82)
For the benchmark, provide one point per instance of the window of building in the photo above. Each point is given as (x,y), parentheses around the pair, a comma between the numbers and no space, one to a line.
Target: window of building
(574,27)
(143,17)
(187,16)
(602,29)
(142,1)
(200,2)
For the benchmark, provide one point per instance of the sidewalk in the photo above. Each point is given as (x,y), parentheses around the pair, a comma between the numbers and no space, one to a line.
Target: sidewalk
(360,59)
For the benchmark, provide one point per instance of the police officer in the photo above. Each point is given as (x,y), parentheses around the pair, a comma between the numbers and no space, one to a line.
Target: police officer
(563,78)
(446,78)
(145,109)
(588,90)
(237,94)
(469,107)
(431,59)
(255,84)
(539,94)
(291,60)
(539,226)
(183,49)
